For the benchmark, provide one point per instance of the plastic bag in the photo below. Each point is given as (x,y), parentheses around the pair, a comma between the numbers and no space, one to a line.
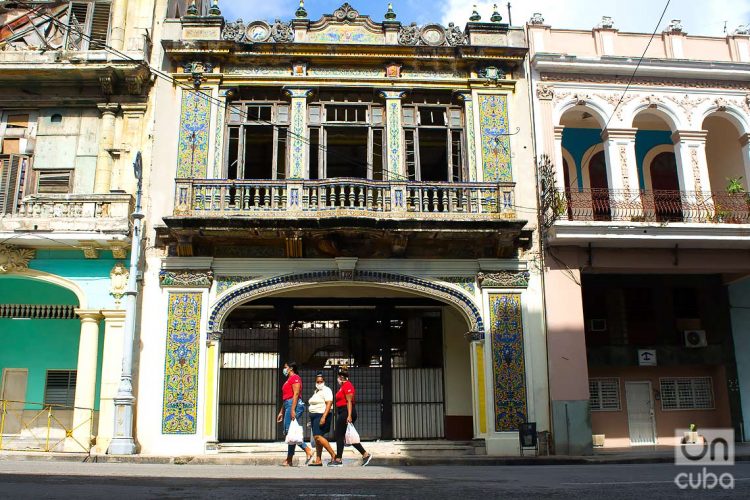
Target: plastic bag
(351,436)
(295,433)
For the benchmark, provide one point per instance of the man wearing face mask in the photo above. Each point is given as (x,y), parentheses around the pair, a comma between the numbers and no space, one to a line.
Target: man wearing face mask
(320,408)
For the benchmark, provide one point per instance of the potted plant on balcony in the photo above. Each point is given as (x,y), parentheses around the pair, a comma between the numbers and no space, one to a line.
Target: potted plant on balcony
(736,204)
(691,436)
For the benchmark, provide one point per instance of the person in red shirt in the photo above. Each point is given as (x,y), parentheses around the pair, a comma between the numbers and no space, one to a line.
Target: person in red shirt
(346,413)
(292,408)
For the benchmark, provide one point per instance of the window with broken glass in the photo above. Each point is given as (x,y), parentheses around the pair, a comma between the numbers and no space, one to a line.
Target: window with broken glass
(257,144)
(346,136)
(434,139)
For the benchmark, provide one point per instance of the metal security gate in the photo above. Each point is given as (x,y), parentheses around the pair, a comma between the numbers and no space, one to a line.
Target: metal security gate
(395,365)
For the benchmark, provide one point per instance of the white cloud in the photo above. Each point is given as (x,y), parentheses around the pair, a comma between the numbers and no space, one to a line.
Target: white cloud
(699,17)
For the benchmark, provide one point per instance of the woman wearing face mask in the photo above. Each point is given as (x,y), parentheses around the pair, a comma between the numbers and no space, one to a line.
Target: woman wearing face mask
(346,413)
(320,407)
(292,408)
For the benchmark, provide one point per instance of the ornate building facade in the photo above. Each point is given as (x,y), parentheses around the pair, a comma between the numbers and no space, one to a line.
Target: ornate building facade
(645,209)
(341,191)
(73,112)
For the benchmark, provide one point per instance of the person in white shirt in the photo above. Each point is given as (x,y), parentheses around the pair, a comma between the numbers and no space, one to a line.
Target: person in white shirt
(320,408)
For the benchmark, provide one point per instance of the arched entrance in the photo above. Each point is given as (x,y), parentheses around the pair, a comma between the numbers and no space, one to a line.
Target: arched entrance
(666,187)
(599,187)
(407,354)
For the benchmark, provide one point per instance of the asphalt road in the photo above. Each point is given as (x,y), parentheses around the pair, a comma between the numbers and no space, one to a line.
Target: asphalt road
(43,480)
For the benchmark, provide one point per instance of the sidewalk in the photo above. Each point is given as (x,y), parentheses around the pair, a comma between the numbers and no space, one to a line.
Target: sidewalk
(385,454)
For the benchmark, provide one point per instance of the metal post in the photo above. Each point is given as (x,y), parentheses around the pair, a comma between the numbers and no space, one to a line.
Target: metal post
(123,442)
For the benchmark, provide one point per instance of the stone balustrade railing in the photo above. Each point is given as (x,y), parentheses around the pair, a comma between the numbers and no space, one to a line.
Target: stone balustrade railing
(343,197)
(71,212)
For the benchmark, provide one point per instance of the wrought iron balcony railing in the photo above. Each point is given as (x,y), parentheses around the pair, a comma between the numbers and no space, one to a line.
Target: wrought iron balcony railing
(343,197)
(652,206)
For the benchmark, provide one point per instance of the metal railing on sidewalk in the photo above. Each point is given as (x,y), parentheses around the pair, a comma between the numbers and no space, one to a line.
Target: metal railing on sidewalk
(26,426)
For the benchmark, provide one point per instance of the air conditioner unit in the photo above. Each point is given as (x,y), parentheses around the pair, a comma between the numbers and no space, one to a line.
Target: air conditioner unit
(695,338)
(598,325)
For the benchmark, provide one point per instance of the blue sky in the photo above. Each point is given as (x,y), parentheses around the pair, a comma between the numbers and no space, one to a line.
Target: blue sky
(704,17)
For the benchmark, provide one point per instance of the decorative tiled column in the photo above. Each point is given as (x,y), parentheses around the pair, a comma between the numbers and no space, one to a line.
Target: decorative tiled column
(494,132)
(622,173)
(182,378)
(394,160)
(471,136)
(505,358)
(219,135)
(192,148)
(104,162)
(88,351)
(298,167)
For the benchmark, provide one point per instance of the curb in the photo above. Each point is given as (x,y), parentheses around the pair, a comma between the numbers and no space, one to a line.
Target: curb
(388,461)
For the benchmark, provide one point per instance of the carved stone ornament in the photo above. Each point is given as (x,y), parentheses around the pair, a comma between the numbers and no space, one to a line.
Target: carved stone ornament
(235,31)
(504,279)
(491,73)
(433,35)
(675,26)
(536,19)
(118,281)
(345,13)
(14,259)
(408,35)
(742,30)
(393,70)
(258,31)
(190,278)
(607,23)
(197,69)
(282,32)
(545,92)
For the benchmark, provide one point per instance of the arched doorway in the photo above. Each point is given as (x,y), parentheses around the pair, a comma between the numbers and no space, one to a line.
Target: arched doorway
(406,354)
(666,187)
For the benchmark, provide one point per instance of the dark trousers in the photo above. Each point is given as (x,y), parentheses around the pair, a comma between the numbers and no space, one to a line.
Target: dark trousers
(341,414)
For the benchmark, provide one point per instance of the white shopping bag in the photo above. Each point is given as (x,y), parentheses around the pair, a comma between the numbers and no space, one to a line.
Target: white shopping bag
(295,433)
(351,436)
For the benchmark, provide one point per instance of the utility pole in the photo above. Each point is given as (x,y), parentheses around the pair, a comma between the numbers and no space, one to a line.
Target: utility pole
(123,442)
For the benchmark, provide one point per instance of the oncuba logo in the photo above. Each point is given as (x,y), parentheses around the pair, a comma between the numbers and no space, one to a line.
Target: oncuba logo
(705,448)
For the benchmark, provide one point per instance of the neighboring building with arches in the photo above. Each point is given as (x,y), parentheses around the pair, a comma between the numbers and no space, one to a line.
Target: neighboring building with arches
(333,211)
(647,240)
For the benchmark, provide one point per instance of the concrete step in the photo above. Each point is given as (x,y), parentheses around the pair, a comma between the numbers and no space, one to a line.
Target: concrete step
(417,449)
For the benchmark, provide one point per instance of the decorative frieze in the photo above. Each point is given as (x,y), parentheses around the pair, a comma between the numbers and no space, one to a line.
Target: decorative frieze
(646,81)
(545,92)
(180,410)
(187,278)
(504,279)
(224,283)
(508,363)
(15,259)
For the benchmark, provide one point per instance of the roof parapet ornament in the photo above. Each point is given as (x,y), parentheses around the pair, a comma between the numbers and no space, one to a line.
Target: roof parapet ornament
(675,26)
(390,15)
(192,9)
(214,10)
(536,19)
(496,17)
(742,30)
(607,23)
(301,13)
(475,17)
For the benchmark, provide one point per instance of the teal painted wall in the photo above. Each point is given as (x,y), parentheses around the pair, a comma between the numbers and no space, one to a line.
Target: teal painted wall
(40,344)
(645,141)
(92,275)
(577,141)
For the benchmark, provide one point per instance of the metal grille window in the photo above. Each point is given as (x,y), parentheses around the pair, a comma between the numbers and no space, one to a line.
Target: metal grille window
(60,388)
(604,394)
(687,393)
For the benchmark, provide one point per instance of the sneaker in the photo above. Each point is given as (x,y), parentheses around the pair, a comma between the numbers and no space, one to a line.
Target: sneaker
(366,461)
(334,463)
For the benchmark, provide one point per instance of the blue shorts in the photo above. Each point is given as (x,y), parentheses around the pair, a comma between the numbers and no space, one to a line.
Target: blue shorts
(317,429)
